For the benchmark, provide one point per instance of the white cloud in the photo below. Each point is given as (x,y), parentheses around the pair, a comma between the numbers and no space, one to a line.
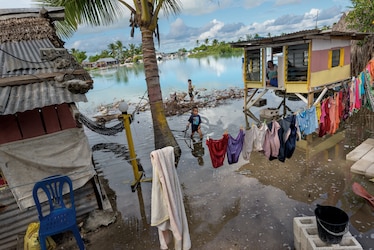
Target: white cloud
(213,31)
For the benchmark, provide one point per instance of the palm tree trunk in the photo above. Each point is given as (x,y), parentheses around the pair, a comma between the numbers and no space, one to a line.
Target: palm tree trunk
(162,134)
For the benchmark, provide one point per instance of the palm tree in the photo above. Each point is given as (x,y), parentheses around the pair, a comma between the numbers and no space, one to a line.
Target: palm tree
(144,15)
(119,49)
(132,50)
(215,42)
(112,48)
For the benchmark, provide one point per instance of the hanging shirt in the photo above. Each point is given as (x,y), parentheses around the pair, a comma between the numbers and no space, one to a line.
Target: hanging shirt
(332,109)
(346,102)
(253,140)
(234,147)
(288,134)
(291,137)
(167,207)
(357,94)
(307,120)
(271,143)
(217,150)
(352,95)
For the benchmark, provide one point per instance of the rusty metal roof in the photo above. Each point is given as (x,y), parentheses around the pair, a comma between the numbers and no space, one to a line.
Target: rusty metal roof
(300,36)
(15,99)
(32,73)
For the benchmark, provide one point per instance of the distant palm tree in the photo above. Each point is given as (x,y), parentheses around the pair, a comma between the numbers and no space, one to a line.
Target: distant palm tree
(112,49)
(206,41)
(215,42)
(132,50)
(119,50)
(144,15)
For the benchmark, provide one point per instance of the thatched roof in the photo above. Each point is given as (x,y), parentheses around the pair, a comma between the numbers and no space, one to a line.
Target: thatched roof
(30,24)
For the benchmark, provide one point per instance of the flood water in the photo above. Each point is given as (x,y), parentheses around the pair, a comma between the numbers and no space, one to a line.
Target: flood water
(247,205)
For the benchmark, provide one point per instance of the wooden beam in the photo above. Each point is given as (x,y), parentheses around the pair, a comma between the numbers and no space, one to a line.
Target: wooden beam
(27,79)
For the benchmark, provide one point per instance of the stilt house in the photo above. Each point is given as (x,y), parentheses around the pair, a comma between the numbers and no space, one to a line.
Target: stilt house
(309,63)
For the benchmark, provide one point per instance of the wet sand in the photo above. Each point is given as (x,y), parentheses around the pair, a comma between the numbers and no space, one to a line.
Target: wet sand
(247,205)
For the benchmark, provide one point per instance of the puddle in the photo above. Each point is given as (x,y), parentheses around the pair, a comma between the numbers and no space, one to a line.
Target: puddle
(247,205)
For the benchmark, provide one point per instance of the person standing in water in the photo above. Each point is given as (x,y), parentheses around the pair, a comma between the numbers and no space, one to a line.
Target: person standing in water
(195,121)
(190,90)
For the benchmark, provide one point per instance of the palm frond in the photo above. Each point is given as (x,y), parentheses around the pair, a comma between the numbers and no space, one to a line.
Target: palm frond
(86,12)
(169,7)
(172,7)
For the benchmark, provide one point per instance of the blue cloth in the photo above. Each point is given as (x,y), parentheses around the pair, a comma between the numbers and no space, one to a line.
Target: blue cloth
(308,121)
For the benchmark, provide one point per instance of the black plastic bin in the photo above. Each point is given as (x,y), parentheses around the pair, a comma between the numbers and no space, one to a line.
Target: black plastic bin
(332,223)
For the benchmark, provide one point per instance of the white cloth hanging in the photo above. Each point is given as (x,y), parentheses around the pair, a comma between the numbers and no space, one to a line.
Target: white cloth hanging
(167,208)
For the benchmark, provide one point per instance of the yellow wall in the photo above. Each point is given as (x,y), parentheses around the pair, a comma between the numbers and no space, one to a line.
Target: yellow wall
(335,74)
(255,85)
(297,87)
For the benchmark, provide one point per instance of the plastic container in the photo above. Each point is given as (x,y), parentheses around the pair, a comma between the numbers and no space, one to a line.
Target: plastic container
(332,223)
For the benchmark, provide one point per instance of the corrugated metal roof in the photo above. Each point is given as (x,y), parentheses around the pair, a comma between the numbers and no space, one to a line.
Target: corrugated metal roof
(37,95)
(23,58)
(299,36)
(20,58)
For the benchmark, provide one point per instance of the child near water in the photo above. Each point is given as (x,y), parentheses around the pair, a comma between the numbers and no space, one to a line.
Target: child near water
(195,121)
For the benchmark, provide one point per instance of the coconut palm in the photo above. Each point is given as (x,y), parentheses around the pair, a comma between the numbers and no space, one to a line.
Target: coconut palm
(144,15)
(119,49)
(113,49)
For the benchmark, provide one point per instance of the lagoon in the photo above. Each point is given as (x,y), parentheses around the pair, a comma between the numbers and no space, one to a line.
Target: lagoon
(128,82)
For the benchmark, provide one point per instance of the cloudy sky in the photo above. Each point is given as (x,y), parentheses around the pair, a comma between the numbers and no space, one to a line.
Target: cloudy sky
(224,20)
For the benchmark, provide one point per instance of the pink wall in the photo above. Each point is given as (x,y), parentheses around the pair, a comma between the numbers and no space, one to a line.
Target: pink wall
(320,58)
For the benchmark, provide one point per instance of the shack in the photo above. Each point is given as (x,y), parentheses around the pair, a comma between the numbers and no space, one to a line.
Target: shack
(309,63)
(40,135)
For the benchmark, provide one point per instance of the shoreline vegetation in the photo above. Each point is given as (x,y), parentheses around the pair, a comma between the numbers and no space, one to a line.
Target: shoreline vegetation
(133,54)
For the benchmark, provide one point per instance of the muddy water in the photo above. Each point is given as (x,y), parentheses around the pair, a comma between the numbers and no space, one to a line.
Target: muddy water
(247,205)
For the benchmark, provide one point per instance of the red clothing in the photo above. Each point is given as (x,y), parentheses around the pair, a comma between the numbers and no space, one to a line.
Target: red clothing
(324,123)
(217,150)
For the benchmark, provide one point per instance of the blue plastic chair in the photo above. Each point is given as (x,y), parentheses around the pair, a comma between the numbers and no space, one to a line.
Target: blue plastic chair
(61,217)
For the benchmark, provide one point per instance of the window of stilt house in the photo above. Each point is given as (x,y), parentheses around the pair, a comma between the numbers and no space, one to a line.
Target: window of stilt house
(336,58)
(297,58)
(253,65)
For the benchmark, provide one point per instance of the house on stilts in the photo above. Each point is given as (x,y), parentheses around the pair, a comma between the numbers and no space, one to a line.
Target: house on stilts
(40,133)
(309,62)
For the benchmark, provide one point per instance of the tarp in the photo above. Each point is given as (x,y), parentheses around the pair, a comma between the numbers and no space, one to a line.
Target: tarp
(27,161)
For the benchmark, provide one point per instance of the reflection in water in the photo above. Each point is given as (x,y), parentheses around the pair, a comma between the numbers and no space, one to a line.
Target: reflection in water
(202,231)
(197,150)
(119,150)
(119,74)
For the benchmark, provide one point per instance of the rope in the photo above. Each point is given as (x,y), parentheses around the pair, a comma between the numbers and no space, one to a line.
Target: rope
(100,129)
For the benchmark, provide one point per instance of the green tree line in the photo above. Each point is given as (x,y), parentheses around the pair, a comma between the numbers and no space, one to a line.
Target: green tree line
(115,50)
